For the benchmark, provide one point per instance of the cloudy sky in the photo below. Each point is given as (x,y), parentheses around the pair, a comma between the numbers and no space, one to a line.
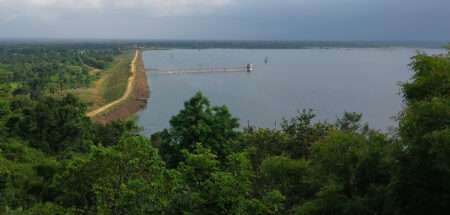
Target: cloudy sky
(227,19)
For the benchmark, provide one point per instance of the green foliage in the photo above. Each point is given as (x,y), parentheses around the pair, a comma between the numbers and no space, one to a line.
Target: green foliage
(20,182)
(301,133)
(329,200)
(350,122)
(198,123)
(431,78)
(354,163)
(52,125)
(49,208)
(61,125)
(129,178)
(209,190)
(421,180)
(110,133)
(198,167)
(261,144)
(35,69)
(17,151)
(288,176)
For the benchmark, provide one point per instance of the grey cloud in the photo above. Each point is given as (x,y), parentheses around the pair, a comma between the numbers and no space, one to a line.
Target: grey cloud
(228,19)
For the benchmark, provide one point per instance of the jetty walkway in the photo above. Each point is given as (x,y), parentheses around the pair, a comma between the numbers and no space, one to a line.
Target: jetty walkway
(247,68)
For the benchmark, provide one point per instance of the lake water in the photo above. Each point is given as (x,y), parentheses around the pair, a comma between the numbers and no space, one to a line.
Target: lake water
(329,81)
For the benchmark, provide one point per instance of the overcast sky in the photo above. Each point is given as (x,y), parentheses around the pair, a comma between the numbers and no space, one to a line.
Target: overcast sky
(227,19)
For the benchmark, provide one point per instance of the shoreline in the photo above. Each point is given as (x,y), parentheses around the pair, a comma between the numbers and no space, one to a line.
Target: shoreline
(135,102)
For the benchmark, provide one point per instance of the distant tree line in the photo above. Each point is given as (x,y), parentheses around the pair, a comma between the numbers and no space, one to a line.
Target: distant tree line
(268,44)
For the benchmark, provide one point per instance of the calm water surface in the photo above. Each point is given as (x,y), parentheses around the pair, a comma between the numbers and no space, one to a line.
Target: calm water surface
(329,81)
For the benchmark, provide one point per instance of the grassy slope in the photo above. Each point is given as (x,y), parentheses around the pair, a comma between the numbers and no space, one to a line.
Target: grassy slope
(115,83)
(111,86)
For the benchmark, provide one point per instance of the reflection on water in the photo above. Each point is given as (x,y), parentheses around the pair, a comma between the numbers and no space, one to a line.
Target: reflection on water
(330,81)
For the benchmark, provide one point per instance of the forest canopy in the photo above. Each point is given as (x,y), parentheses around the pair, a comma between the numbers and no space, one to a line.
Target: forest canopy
(38,69)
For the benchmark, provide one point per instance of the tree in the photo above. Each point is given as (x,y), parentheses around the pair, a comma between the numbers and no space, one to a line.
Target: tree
(421,180)
(62,125)
(199,123)
(210,190)
(288,176)
(261,144)
(350,122)
(352,168)
(20,183)
(302,133)
(129,178)
(110,133)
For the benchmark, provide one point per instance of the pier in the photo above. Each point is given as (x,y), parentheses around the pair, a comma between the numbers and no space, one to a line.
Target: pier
(247,68)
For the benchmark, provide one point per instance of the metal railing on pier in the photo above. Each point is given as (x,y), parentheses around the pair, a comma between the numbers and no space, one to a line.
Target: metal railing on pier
(248,68)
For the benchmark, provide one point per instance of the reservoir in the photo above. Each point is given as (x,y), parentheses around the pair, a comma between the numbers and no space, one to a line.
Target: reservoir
(329,81)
